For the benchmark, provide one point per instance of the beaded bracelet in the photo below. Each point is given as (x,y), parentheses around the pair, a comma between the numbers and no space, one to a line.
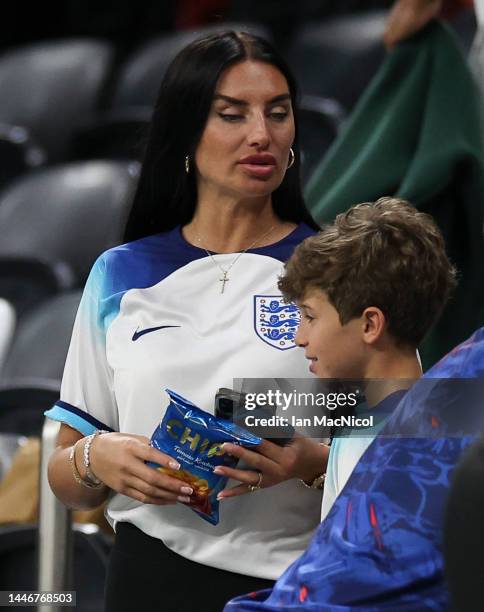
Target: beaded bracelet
(75,471)
(86,455)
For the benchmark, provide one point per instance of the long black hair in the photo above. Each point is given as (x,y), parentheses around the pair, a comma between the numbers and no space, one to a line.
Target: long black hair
(166,195)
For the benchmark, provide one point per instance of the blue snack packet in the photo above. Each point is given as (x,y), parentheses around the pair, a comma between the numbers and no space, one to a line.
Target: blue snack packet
(194,438)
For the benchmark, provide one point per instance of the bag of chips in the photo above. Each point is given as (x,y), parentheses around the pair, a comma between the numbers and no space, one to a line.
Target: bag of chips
(194,438)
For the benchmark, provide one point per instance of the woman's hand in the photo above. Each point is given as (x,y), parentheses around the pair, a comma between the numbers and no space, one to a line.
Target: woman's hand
(118,460)
(302,458)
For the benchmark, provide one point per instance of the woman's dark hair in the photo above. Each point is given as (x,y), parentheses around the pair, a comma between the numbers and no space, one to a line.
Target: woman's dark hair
(166,195)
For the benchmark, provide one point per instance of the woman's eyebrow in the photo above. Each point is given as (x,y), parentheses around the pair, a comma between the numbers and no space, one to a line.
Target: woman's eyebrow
(237,102)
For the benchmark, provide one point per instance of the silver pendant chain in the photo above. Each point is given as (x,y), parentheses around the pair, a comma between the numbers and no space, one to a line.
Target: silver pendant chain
(225,279)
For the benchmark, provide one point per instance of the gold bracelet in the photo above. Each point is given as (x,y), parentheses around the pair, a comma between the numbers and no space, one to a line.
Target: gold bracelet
(318,482)
(75,471)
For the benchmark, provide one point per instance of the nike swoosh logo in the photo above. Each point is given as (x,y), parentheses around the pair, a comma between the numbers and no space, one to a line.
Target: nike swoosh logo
(137,334)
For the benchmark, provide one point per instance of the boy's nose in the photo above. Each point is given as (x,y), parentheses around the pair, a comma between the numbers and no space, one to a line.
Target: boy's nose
(299,338)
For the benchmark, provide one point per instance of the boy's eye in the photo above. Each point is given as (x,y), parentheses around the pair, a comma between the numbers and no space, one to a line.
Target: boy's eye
(308,317)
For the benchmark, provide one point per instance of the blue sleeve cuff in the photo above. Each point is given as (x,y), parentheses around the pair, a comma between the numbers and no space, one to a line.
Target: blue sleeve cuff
(75,418)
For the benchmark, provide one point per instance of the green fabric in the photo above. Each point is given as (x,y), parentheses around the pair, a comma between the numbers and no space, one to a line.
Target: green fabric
(415,133)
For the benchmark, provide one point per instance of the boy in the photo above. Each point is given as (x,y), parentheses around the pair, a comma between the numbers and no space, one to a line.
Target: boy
(369,287)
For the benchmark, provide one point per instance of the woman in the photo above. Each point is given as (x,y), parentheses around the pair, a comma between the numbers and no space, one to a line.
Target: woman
(217,211)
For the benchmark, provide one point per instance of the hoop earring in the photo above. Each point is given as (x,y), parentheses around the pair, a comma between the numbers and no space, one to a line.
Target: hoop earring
(187,164)
(292,159)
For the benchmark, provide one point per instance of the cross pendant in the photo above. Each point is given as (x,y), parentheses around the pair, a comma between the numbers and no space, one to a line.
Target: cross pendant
(223,281)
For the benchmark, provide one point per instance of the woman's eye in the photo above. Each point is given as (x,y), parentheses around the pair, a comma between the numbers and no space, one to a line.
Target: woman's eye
(278,116)
(308,318)
(229,117)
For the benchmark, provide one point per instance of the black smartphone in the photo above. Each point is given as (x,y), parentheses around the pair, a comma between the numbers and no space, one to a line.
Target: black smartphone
(230,405)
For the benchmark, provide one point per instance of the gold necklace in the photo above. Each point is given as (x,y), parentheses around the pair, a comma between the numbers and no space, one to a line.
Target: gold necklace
(225,279)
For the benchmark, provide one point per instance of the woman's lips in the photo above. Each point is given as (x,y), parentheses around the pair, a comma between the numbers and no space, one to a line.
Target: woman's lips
(259,164)
(259,170)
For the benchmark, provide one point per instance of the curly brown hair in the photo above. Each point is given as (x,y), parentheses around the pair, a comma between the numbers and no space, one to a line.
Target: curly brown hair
(384,254)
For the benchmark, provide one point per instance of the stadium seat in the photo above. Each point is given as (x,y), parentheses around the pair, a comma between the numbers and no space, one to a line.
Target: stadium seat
(50,87)
(319,122)
(26,282)
(40,344)
(120,134)
(31,376)
(23,407)
(18,154)
(59,220)
(338,57)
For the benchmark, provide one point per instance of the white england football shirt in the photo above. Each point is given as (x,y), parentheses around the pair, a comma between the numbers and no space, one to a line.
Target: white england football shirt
(152,316)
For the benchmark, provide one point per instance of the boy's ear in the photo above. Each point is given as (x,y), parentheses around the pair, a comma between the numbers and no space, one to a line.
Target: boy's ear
(374,324)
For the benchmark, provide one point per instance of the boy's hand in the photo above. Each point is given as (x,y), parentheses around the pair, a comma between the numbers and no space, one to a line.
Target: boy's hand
(272,464)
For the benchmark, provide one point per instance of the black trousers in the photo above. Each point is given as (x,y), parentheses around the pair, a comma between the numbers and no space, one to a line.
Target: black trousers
(464,532)
(146,576)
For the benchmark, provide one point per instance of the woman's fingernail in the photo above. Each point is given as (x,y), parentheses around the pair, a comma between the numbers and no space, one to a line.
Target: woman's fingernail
(225,450)
(174,465)
(218,470)
(183,499)
(186,490)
